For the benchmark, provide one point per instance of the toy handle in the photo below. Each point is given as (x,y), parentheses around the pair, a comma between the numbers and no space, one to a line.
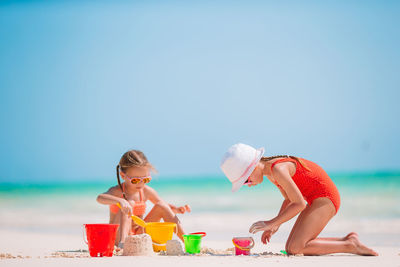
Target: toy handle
(244,248)
(239,247)
(84,236)
(203,234)
(252,243)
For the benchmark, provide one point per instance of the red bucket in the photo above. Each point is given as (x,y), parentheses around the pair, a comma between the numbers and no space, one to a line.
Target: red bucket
(101,239)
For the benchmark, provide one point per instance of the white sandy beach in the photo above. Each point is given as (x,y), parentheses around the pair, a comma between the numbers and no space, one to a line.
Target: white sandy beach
(33,249)
(49,233)
(49,236)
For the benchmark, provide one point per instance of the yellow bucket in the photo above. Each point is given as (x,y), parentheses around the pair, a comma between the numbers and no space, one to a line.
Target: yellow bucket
(160,233)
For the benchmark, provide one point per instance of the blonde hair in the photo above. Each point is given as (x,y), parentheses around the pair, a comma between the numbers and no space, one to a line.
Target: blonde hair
(132,158)
(285,156)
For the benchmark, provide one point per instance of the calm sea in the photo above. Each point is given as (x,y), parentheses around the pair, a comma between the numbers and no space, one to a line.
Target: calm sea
(371,193)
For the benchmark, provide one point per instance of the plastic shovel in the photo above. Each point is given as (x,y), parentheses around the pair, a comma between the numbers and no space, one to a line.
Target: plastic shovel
(136,219)
(160,232)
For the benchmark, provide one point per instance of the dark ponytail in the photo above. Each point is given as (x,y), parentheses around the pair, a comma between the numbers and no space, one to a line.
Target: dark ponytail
(119,182)
(286,156)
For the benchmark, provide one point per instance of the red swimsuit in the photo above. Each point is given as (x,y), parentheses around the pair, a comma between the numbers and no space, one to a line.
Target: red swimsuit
(314,182)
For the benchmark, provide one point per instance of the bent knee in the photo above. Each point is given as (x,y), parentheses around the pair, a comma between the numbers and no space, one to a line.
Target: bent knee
(294,248)
(161,206)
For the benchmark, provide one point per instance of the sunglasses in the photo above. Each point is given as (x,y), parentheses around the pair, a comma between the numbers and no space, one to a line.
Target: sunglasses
(247,181)
(136,180)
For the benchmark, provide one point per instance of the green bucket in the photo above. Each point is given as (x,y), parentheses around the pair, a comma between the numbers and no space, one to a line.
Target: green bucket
(193,242)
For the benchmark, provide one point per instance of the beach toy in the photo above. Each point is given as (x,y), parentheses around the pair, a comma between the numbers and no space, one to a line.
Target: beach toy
(284,252)
(138,245)
(243,245)
(160,233)
(174,248)
(193,242)
(136,219)
(100,239)
(139,221)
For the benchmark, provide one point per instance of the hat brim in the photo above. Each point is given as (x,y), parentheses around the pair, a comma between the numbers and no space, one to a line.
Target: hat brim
(238,184)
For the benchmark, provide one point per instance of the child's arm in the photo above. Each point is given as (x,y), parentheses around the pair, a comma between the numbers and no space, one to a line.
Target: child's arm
(266,236)
(181,209)
(285,202)
(155,198)
(111,197)
(296,202)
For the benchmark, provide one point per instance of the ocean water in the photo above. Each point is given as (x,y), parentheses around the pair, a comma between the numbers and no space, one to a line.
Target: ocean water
(370,205)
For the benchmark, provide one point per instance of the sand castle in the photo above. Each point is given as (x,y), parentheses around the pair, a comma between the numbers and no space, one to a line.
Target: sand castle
(138,245)
(174,248)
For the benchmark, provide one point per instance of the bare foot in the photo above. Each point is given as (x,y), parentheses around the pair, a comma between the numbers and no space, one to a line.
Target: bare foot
(350,235)
(360,248)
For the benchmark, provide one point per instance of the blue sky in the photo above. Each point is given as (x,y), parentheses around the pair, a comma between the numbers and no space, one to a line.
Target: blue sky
(81,82)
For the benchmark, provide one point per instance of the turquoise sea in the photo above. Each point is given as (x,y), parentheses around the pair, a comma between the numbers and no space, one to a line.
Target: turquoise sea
(370,203)
(211,193)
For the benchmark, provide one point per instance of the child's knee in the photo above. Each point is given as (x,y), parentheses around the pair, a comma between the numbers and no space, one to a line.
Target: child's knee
(294,247)
(161,206)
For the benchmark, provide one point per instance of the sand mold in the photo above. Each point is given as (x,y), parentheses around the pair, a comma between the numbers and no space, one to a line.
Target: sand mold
(138,245)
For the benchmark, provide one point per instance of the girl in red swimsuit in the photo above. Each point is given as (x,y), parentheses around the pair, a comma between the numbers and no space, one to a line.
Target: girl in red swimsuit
(132,194)
(307,191)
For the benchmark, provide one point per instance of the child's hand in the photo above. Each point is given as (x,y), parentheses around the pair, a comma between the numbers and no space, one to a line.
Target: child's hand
(126,208)
(261,226)
(183,209)
(266,236)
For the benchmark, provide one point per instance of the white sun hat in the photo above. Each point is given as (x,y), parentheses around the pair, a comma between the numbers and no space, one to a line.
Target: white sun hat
(239,162)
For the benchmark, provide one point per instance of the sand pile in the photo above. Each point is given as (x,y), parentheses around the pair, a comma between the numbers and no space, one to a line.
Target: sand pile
(10,256)
(69,254)
(174,248)
(217,252)
(138,245)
